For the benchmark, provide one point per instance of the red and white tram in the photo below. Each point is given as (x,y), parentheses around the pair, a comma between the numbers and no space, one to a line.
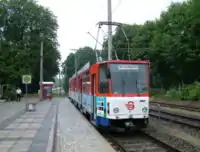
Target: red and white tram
(113,93)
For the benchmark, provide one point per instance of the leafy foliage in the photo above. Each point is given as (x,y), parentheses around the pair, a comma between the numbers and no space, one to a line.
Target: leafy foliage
(83,55)
(171,43)
(23,25)
(9,93)
(188,92)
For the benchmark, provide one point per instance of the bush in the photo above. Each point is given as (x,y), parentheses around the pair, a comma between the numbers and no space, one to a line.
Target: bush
(186,92)
(9,93)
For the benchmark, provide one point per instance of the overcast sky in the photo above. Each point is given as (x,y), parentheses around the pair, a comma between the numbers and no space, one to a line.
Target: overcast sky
(77,17)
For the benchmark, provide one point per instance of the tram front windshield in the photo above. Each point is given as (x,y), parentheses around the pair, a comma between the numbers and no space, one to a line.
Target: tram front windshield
(129,78)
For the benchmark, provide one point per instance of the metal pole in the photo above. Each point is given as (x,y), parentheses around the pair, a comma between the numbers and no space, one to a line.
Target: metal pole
(75,60)
(26,89)
(109,30)
(41,69)
(75,63)
(66,79)
(60,82)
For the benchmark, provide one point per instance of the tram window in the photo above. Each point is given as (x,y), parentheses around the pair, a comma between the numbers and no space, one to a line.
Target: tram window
(103,87)
(103,81)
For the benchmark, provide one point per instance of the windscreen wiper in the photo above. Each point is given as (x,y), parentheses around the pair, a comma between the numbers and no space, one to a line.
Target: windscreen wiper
(136,87)
(136,83)
(123,86)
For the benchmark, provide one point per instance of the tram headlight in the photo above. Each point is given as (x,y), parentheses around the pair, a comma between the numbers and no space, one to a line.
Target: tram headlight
(116,110)
(144,110)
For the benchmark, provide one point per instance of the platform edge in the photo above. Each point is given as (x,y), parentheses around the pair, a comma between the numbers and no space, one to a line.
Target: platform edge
(110,148)
(50,144)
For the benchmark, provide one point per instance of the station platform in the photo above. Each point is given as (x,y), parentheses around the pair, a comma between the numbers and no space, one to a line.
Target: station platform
(76,134)
(10,109)
(28,131)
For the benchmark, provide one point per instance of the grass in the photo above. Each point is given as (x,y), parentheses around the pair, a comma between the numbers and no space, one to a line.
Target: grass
(162,95)
(189,92)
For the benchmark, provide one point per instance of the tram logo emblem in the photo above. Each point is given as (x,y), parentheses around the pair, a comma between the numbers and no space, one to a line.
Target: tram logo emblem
(130,105)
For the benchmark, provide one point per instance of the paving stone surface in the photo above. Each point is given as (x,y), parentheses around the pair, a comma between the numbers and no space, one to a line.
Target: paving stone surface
(40,141)
(28,129)
(75,134)
(13,109)
(8,110)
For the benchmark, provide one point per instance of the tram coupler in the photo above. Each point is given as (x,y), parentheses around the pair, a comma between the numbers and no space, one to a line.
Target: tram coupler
(129,124)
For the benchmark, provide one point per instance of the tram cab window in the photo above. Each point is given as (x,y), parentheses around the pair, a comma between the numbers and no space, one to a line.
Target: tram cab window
(103,81)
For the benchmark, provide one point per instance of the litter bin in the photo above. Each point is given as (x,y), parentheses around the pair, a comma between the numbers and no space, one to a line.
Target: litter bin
(31,107)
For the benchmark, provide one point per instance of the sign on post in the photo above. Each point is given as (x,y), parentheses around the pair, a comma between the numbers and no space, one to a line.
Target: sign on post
(26,79)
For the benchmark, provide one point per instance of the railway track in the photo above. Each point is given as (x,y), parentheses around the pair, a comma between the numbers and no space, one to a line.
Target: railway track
(179,106)
(136,142)
(142,141)
(179,118)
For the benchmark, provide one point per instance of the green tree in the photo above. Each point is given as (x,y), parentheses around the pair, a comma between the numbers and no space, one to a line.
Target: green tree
(83,55)
(23,24)
(171,43)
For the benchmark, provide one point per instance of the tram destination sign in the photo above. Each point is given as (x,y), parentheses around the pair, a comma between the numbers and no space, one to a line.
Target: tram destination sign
(128,67)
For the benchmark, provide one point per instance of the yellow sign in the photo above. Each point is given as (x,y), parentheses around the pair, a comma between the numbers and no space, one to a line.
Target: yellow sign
(26,79)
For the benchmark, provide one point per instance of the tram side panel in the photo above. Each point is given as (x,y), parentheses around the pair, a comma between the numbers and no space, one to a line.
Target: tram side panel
(77,91)
(72,90)
(80,93)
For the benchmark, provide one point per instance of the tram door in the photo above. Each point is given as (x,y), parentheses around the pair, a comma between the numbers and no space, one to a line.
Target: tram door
(94,96)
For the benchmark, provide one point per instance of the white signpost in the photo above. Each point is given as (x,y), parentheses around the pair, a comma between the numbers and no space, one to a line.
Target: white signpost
(26,79)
